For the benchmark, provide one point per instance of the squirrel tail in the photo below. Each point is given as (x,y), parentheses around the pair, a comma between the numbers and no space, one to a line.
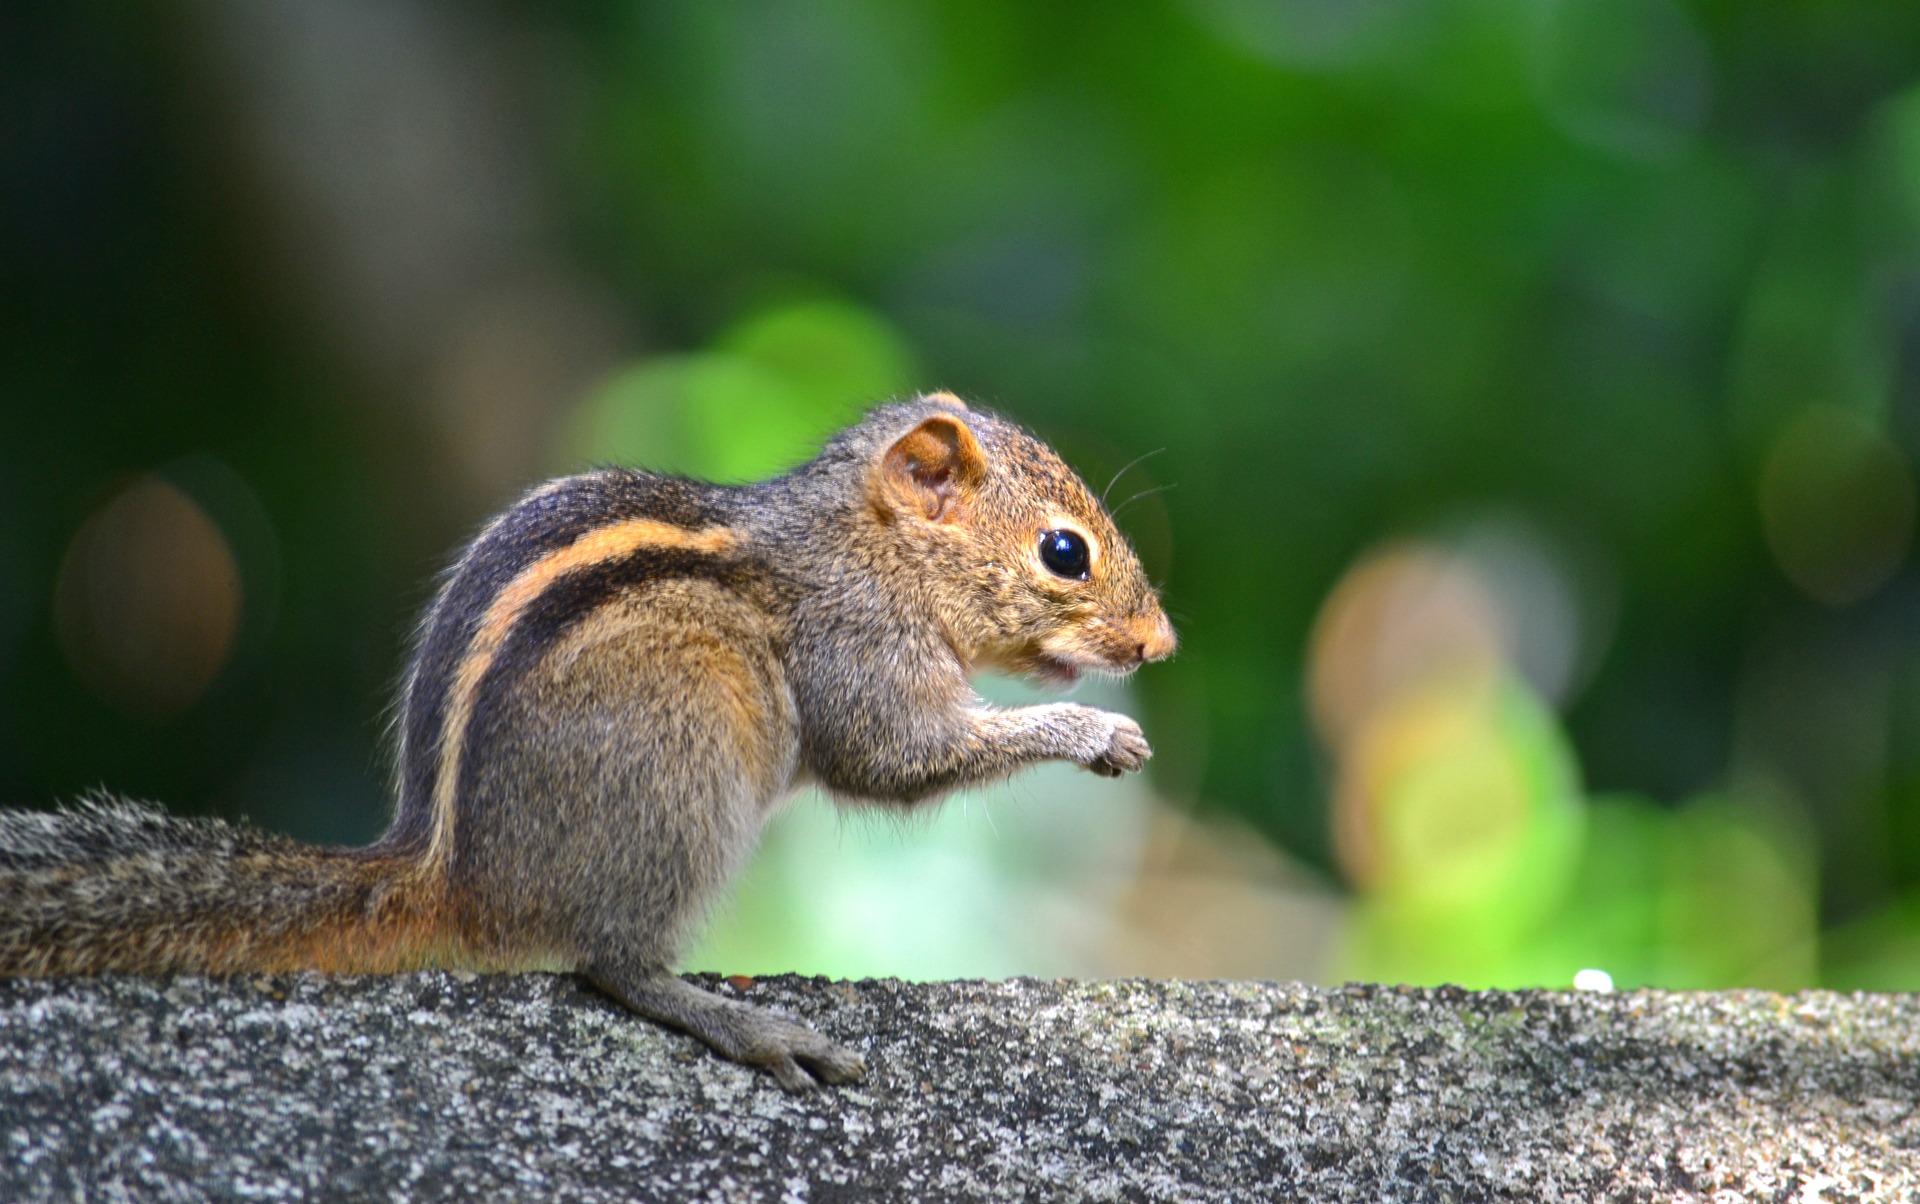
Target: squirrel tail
(110,886)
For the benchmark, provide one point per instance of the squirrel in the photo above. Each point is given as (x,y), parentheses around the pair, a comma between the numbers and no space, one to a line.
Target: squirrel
(621,678)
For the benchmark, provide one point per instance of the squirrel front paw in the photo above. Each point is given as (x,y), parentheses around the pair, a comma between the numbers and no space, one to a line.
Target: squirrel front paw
(1104,742)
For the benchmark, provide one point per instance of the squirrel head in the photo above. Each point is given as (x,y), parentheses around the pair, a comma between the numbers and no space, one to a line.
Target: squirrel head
(1006,546)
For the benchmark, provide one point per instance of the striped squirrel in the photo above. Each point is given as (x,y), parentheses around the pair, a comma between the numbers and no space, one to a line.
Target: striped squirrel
(621,678)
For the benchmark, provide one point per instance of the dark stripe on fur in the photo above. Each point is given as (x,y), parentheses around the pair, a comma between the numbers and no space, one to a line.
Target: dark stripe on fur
(533,529)
(567,602)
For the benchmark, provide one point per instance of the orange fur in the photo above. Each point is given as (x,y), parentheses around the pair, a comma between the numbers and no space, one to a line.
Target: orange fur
(595,547)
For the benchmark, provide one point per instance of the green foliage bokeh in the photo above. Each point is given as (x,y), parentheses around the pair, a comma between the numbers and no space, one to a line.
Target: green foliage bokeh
(1644,273)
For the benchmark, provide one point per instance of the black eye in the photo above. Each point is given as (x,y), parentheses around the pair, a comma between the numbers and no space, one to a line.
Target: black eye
(1065,554)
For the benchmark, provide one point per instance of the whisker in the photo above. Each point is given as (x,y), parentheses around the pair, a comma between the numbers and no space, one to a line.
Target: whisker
(1125,469)
(1115,512)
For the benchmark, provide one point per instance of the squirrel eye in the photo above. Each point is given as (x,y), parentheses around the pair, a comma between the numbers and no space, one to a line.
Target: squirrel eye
(1065,554)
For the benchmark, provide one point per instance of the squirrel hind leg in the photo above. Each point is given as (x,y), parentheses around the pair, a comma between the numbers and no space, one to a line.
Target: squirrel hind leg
(798,1056)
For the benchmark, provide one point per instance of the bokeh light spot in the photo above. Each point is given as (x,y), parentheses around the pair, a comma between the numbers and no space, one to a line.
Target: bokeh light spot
(1458,794)
(1837,504)
(1632,78)
(1315,34)
(760,401)
(841,357)
(148,600)
(1405,615)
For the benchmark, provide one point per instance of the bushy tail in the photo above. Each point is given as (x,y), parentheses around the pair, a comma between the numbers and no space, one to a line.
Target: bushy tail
(110,886)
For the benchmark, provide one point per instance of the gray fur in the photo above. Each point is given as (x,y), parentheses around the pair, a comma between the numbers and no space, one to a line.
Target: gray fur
(637,717)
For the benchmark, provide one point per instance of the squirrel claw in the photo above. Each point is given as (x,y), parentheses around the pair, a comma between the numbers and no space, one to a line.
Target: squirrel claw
(800,1058)
(823,1062)
(791,1077)
(1127,750)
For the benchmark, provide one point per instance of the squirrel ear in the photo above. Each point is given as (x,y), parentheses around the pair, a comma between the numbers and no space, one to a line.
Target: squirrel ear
(932,469)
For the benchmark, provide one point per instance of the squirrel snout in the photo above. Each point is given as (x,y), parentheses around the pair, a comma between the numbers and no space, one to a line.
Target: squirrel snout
(1152,636)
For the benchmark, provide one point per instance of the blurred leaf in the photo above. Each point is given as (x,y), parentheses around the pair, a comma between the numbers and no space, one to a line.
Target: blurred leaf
(635,418)
(1736,906)
(1481,827)
(779,383)
(840,358)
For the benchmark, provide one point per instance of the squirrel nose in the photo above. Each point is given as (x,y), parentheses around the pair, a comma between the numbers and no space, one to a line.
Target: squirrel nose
(1153,637)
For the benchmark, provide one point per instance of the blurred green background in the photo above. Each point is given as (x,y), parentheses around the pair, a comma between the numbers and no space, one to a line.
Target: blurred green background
(1536,388)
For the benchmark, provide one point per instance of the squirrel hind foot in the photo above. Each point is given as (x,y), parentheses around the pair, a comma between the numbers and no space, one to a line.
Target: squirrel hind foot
(796,1055)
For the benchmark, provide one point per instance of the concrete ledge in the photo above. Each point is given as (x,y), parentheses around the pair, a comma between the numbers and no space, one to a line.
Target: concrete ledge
(433,1086)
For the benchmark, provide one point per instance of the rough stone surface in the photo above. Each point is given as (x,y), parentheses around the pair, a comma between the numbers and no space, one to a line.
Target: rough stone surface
(436,1086)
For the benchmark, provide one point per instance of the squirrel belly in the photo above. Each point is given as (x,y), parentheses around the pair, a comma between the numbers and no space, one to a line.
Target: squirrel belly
(618,682)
